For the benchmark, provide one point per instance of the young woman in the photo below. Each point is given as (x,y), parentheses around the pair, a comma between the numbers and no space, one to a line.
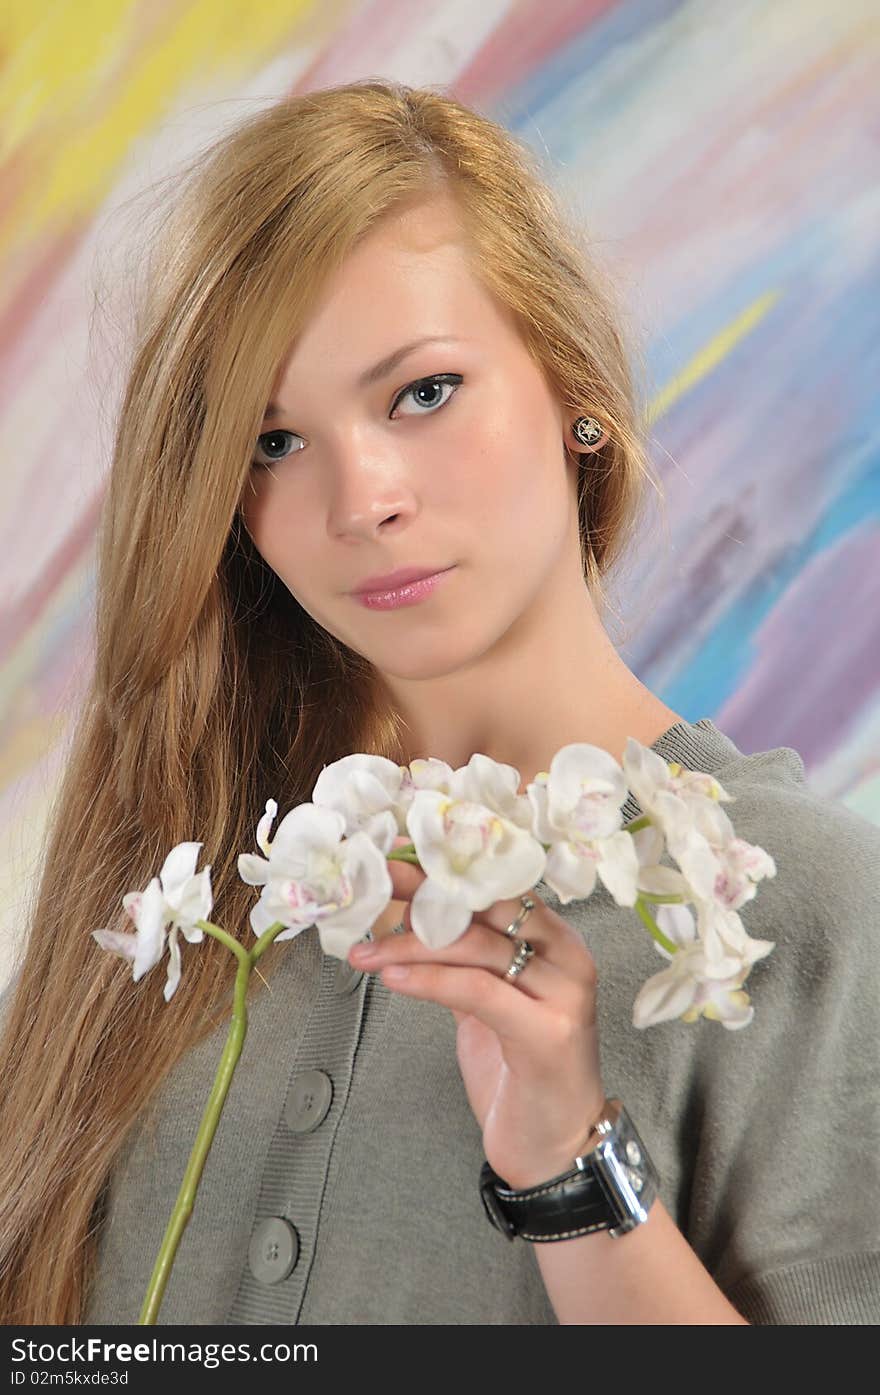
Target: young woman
(371,346)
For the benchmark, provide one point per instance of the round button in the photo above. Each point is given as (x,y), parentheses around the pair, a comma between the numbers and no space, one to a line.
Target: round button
(273,1251)
(308,1101)
(347,977)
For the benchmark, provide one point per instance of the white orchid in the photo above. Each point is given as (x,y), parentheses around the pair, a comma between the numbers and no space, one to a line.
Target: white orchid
(374,795)
(478,840)
(366,790)
(495,785)
(695,984)
(314,875)
(472,856)
(739,865)
(718,866)
(426,773)
(649,775)
(177,898)
(576,808)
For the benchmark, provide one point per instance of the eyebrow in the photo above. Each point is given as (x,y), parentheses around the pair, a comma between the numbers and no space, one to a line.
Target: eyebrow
(379,370)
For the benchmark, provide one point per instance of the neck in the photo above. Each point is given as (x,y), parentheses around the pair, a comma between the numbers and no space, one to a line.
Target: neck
(554,678)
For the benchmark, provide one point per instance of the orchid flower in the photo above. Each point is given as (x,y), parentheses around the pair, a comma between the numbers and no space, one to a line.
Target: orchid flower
(649,775)
(313,875)
(694,984)
(576,808)
(472,856)
(374,795)
(178,897)
(366,791)
(494,785)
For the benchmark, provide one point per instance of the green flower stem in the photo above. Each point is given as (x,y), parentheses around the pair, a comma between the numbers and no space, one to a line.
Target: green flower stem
(266,939)
(183,1206)
(407,853)
(643,822)
(652,927)
(671,900)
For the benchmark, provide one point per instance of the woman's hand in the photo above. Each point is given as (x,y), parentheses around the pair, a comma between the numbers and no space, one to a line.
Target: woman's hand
(528,1048)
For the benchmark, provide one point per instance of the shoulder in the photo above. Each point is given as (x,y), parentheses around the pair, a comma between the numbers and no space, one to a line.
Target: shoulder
(750,1128)
(773,1104)
(827,856)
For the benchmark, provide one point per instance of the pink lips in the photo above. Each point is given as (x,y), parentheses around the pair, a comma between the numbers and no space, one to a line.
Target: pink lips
(407,586)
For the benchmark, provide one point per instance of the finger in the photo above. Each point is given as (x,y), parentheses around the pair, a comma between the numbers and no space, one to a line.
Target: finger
(479,947)
(479,993)
(405,879)
(558,942)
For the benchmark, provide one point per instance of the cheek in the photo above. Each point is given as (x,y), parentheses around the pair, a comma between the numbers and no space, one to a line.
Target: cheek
(510,477)
(275,521)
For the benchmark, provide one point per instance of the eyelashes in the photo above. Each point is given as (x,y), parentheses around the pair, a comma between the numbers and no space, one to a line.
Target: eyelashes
(450,380)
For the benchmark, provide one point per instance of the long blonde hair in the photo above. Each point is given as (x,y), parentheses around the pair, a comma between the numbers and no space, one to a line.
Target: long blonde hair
(212,688)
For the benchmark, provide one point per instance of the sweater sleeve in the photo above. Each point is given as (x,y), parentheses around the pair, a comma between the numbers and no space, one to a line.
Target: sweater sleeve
(782,1198)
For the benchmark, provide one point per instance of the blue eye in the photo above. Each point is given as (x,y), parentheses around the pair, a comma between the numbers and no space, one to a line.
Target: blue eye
(443,379)
(272,436)
(450,380)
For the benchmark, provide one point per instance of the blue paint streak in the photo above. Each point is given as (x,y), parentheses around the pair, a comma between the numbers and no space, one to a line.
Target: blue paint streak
(578,62)
(716,671)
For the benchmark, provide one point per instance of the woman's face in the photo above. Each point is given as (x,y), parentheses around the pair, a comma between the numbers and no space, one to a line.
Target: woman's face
(356,478)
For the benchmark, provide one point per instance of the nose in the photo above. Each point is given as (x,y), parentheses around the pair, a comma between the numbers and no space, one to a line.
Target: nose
(371,489)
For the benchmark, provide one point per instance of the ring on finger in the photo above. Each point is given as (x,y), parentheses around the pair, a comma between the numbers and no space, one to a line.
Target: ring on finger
(528,906)
(521,957)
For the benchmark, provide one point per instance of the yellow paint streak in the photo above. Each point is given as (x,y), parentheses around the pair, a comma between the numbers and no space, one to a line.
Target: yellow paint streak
(84,83)
(712,354)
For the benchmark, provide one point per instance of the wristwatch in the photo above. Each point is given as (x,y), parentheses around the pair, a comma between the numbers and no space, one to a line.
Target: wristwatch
(609,1187)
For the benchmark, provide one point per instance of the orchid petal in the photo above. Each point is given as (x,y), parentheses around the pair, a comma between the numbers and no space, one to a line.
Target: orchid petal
(538,796)
(571,870)
(664,996)
(586,789)
(663,881)
(431,774)
(152,919)
(676,923)
(253,870)
(117,942)
(305,829)
(494,785)
(173,978)
(265,825)
(194,903)
(619,867)
(179,866)
(438,916)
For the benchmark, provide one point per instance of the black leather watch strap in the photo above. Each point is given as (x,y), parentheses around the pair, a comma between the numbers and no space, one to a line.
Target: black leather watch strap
(571,1204)
(611,1187)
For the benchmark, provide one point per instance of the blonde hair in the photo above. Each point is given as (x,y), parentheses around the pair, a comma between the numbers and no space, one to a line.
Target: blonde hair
(212,688)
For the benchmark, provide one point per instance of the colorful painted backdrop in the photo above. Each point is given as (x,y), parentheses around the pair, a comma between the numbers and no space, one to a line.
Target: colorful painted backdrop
(725,158)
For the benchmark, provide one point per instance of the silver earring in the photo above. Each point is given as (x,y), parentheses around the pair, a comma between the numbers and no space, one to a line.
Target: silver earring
(590,432)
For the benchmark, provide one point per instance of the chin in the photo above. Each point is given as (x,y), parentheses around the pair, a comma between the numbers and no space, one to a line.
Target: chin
(419,667)
(436,651)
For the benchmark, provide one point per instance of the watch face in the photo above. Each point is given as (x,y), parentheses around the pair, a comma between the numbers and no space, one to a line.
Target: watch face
(625,1172)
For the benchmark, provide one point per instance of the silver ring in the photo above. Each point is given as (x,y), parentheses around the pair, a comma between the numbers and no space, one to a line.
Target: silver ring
(399,929)
(523,954)
(528,905)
